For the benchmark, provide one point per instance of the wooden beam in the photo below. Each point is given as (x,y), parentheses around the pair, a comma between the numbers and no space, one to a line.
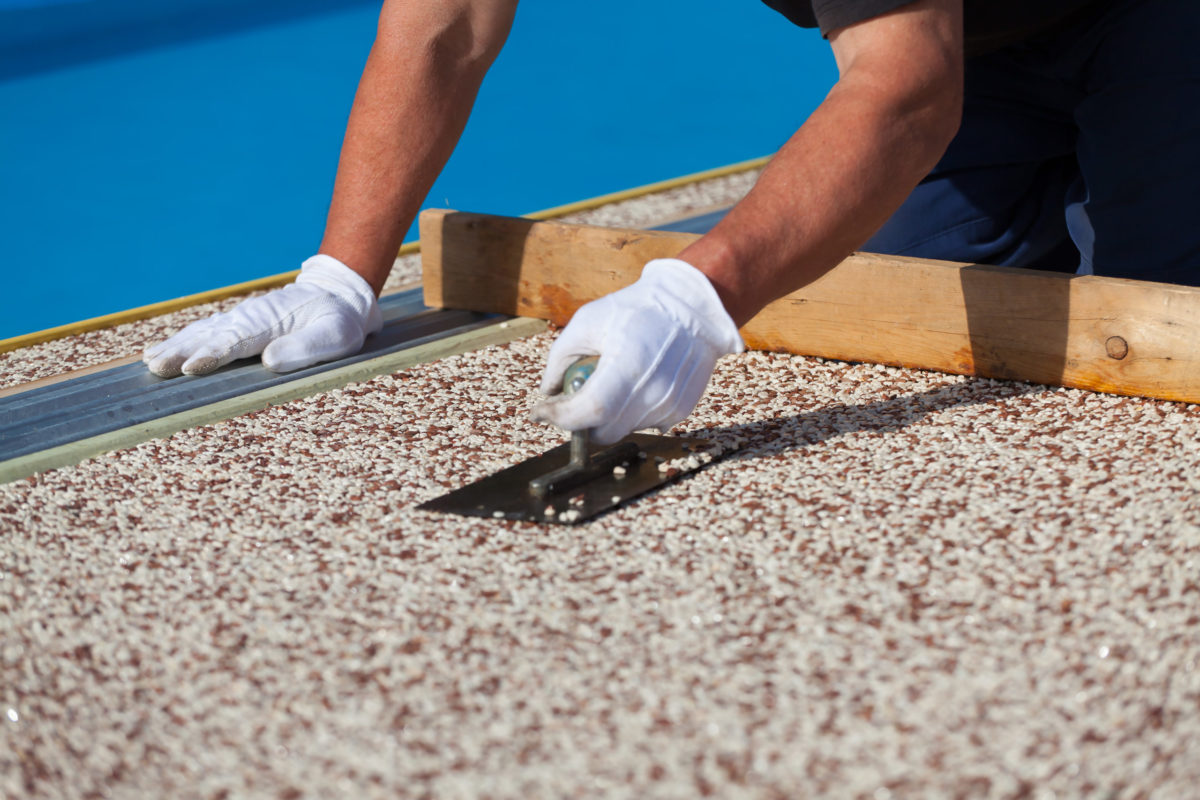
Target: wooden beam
(1104,334)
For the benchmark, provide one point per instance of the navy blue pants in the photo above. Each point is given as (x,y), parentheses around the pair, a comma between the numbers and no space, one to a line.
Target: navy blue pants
(1079,151)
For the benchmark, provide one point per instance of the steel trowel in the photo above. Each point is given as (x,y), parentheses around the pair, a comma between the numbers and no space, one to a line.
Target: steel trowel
(578,480)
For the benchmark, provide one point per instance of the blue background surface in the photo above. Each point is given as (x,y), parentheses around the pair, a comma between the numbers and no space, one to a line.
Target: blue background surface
(152,150)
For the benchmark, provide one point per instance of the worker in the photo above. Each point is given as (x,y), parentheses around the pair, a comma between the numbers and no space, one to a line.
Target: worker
(1053,134)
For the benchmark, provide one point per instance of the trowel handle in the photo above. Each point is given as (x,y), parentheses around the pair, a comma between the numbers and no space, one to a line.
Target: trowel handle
(573,380)
(578,373)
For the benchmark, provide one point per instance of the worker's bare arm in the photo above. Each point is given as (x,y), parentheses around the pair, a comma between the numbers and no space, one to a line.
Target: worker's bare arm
(412,104)
(887,121)
(413,100)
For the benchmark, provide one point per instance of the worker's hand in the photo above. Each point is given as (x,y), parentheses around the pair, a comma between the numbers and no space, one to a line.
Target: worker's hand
(325,314)
(658,341)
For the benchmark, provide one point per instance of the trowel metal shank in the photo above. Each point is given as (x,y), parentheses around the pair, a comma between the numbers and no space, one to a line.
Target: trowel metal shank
(507,494)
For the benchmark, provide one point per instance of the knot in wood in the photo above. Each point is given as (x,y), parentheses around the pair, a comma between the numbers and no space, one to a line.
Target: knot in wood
(1116,347)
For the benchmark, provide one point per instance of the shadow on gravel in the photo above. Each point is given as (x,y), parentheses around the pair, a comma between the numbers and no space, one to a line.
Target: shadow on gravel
(781,434)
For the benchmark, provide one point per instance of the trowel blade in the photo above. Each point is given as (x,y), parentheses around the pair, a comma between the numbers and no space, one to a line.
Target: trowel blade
(506,494)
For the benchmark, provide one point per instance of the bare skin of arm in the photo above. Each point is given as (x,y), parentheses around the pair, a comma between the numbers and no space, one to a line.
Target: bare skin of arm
(413,100)
(887,121)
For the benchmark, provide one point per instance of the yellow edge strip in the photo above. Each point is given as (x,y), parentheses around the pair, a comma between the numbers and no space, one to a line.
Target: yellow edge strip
(273,281)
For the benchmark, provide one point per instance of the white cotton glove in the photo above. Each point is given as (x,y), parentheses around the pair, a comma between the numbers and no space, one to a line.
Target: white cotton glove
(325,314)
(658,341)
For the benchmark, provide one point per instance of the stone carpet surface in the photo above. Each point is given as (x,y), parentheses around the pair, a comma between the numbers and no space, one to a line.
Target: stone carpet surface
(898,585)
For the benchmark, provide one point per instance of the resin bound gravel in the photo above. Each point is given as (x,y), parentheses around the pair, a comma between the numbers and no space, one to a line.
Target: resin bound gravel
(901,584)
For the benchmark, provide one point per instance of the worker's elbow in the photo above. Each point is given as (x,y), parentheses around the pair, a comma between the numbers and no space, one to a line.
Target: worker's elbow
(484,30)
(458,37)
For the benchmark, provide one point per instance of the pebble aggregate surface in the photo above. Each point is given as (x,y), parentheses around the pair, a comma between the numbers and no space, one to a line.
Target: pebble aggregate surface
(893,584)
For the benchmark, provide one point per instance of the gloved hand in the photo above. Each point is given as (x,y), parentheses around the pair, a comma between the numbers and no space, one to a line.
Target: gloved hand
(325,314)
(658,341)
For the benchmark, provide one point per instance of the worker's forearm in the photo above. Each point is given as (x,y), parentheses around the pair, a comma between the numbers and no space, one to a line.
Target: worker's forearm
(833,184)
(412,104)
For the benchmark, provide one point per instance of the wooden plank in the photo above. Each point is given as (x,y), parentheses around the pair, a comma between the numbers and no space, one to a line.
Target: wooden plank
(1104,334)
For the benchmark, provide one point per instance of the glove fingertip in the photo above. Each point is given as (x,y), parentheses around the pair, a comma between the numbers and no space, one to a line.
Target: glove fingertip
(208,359)
(666,424)
(556,367)
(541,413)
(550,384)
(165,367)
(201,364)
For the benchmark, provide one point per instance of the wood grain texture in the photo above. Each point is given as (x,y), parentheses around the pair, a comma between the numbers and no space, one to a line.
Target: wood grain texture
(1104,334)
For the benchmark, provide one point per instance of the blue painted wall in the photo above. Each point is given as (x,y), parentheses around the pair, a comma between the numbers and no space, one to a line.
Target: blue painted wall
(147,157)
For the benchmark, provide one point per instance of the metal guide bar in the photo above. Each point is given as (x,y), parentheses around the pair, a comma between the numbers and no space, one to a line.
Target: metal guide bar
(128,395)
(431,348)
